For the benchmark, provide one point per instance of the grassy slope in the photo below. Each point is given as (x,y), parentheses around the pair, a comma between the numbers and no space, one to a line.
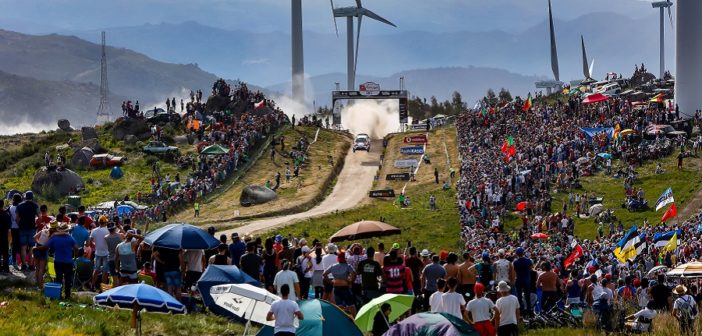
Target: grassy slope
(290,194)
(425,228)
(685,184)
(136,171)
(29,313)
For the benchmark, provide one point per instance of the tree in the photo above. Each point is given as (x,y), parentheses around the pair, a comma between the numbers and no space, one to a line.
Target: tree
(491,97)
(505,95)
(434,107)
(417,109)
(448,109)
(457,103)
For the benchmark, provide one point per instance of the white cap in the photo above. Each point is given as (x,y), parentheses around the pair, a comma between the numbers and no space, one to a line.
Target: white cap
(425,253)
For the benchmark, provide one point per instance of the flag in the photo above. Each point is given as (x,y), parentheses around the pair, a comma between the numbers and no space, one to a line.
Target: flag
(527,104)
(617,130)
(577,253)
(477,105)
(509,142)
(483,111)
(657,98)
(672,212)
(662,239)
(665,199)
(626,247)
(259,105)
(671,245)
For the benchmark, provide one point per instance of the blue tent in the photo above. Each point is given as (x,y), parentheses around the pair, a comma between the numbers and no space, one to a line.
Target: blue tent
(221,275)
(321,318)
(116,173)
(591,131)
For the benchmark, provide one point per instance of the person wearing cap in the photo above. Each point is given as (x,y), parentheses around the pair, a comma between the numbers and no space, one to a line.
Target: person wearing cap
(343,277)
(684,309)
(64,248)
(112,239)
(97,236)
(236,249)
(329,260)
(26,214)
(430,274)
(125,258)
(508,306)
(479,312)
(522,269)
(425,256)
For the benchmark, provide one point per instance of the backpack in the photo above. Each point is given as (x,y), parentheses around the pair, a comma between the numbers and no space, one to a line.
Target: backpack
(485,273)
(687,309)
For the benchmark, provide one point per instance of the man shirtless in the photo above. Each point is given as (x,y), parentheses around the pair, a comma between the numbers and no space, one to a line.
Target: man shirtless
(548,281)
(467,275)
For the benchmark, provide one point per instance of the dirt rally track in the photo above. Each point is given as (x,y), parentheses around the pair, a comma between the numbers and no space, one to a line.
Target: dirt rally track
(352,187)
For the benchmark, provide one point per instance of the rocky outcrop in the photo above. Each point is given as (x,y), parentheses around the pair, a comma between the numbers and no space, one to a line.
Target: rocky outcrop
(88,133)
(65,125)
(130,126)
(252,195)
(62,181)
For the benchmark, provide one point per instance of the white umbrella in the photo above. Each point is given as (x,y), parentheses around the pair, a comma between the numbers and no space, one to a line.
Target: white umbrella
(246,301)
(596,209)
(656,269)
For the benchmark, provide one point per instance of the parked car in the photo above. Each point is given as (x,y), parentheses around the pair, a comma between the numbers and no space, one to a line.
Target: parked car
(362,142)
(106,160)
(158,147)
(659,130)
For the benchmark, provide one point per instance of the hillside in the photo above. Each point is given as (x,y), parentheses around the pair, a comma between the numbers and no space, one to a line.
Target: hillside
(28,104)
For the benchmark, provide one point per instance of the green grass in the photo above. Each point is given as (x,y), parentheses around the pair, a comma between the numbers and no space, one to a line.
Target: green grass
(685,183)
(29,313)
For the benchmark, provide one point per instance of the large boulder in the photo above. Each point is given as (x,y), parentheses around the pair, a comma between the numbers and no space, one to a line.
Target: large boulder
(88,133)
(63,181)
(65,125)
(130,126)
(252,195)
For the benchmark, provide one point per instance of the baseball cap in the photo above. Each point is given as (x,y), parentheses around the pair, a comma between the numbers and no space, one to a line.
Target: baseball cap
(520,250)
(235,235)
(110,225)
(29,195)
(501,252)
(479,288)
(425,253)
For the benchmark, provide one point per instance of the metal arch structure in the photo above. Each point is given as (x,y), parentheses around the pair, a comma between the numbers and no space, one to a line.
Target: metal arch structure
(401,95)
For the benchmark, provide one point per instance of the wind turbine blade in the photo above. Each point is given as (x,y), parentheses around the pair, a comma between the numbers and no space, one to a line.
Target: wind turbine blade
(554,52)
(670,17)
(358,4)
(592,67)
(336,28)
(358,40)
(586,70)
(374,16)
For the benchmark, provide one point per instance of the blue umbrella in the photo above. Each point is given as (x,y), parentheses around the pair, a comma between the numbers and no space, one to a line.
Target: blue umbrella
(181,236)
(124,210)
(137,297)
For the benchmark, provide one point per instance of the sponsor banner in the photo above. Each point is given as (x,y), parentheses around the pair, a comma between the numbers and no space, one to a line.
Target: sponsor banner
(406,163)
(419,127)
(416,150)
(404,116)
(398,177)
(416,139)
(369,89)
(382,193)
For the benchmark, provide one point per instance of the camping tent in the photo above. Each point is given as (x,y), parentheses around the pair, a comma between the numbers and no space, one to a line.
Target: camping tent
(81,157)
(116,173)
(214,150)
(220,275)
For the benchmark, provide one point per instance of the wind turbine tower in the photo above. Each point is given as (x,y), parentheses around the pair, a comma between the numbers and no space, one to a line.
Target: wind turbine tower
(103,113)
(298,62)
(662,5)
(688,53)
(349,13)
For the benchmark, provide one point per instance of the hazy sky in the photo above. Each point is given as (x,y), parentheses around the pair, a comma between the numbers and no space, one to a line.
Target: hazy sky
(43,16)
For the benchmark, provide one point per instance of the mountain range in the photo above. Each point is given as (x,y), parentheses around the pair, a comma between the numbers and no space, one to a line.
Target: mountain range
(264,57)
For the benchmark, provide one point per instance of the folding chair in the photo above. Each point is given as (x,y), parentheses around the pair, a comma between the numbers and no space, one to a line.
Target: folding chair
(83,274)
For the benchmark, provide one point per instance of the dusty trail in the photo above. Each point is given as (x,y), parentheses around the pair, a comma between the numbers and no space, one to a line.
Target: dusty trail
(352,186)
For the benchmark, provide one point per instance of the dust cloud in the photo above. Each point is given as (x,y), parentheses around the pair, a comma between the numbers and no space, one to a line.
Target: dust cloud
(374,117)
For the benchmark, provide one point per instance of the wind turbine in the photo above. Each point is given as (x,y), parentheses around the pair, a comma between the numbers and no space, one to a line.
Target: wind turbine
(349,13)
(587,70)
(298,63)
(662,5)
(554,52)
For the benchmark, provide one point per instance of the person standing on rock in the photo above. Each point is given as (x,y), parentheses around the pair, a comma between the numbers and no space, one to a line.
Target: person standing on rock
(168,106)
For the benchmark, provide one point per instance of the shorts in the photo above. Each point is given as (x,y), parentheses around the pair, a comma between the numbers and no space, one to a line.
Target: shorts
(111,268)
(40,254)
(343,297)
(101,264)
(191,278)
(328,286)
(128,275)
(26,237)
(484,328)
(173,279)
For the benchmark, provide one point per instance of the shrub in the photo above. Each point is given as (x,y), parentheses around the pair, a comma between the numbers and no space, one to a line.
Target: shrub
(50,193)
(150,160)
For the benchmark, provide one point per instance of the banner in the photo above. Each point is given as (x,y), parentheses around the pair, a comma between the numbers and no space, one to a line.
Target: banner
(398,177)
(419,127)
(417,150)
(382,193)
(665,199)
(416,139)
(406,163)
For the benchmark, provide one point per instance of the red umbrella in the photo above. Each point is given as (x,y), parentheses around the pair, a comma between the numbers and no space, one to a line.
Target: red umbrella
(539,235)
(363,230)
(521,206)
(595,98)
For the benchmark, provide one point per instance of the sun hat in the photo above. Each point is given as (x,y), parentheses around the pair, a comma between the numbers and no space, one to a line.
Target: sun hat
(102,219)
(503,287)
(679,290)
(425,253)
(63,227)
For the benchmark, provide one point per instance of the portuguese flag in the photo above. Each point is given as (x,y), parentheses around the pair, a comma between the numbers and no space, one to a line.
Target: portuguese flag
(527,104)
(509,148)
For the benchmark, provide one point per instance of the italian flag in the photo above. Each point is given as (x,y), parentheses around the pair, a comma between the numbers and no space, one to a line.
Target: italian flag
(527,104)
(259,105)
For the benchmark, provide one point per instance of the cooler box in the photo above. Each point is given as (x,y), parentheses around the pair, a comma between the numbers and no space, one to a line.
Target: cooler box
(52,290)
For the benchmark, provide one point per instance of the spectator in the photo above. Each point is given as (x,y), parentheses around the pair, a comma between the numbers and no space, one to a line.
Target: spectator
(479,312)
(5,225)
(284,312)
(430,275)
(508,306)
(380,321)
(236,249)
(26,213)
(221,257)
(289,278)
(451,302)
(64,248)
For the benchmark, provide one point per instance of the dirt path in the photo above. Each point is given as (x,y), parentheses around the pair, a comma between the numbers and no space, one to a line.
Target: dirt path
(694,205)
(352,186)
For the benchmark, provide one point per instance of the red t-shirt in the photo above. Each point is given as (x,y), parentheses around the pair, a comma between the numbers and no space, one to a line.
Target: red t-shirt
(42,221)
